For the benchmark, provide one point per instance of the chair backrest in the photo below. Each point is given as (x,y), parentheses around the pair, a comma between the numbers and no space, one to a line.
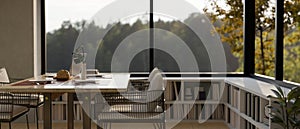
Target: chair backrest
(153,73)
(155,92)
(157,82)
(3,76)
(6,105)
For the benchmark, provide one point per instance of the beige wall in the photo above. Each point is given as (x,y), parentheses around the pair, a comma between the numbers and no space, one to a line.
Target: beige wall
(16,38)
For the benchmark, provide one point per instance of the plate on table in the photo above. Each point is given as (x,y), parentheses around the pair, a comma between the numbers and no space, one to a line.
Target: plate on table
(41,81)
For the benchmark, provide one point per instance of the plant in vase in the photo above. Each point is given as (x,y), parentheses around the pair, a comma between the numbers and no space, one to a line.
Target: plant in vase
(79,57)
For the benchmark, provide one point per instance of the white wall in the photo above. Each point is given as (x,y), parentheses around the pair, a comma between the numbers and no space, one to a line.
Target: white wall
(17,37)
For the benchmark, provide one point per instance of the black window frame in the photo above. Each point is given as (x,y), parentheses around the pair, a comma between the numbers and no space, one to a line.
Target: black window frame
(249,45)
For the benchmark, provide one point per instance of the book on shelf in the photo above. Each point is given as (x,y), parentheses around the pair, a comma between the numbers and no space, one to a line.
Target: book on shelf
(192,113)
(253,107)
(215,91)
(257,109)
(201,112)
(218,112)
(229,93)
(169,92)
(168,111)
(248,104)
(188,93)
(242,101)
(195,91)
(202,95)
(235,97)
(177,111)
(189,111)
(223,92)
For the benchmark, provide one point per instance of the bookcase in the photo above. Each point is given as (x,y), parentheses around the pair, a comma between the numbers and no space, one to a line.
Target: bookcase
(192,100)
(249,110)
(241,103)
(246,110)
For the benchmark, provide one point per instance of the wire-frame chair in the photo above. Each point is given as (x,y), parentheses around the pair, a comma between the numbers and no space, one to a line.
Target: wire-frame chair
(130,107)
(31,101)
(143,84)
(134,106)
(9,111)
(24,99)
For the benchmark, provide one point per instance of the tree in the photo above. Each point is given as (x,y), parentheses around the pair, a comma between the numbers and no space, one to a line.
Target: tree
(60,45)
(231,29)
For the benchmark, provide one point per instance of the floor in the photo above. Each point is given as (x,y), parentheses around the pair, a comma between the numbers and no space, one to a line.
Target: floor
(183,125)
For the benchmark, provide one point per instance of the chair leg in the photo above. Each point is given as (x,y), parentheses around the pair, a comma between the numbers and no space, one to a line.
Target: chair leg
(104,125)
(0,125)
(9,124)
(154,125)
(37,118)
(27,121)
(99,126)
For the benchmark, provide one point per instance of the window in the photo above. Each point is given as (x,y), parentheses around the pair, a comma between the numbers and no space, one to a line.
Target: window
(97,30)
(227,17)
(292,41)
(117,38)
(265,38)
(64,21)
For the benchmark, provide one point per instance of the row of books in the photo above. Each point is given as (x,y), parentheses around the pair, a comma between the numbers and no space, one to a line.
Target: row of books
(192,91)
(248,104)
(234,120)
(171,91)
(257,108)
(235,98)
(195,112)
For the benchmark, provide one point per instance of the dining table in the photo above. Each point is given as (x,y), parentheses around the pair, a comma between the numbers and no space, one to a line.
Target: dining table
(51,88)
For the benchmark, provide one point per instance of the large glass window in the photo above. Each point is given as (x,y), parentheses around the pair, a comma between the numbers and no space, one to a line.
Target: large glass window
(97,28)
(292,40)
(205,36)
(227,18)
(64,21)
(265,37)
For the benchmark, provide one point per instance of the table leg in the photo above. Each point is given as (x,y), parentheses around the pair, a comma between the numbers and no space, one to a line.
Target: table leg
(70,110)
(87,111)
(47,111)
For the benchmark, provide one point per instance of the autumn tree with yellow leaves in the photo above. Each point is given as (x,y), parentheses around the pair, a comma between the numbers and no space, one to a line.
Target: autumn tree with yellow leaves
(230,16)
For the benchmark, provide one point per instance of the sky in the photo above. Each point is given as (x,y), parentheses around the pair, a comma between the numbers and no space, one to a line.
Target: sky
(58,11)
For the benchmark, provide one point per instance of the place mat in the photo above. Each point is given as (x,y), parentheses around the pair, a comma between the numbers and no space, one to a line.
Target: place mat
(30,83)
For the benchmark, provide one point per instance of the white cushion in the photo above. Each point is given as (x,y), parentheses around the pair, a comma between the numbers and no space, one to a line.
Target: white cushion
(153,73)
(3,76)
(157,82)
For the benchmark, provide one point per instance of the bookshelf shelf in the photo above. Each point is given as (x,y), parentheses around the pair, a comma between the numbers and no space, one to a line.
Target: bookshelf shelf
(194,102)
(239,102)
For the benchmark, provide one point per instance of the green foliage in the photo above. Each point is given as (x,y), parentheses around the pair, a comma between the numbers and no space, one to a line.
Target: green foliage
(292,55)
(285,109)
(60,45)
(116,33)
